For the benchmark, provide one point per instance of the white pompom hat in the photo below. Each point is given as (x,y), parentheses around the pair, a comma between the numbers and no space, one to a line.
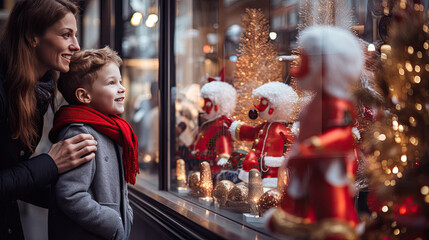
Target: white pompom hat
(221,94)
(338,52)
(282,98)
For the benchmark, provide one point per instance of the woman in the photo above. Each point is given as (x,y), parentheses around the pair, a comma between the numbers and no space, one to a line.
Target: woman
(40,38)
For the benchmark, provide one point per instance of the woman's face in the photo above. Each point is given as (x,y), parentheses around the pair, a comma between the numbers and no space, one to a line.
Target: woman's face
(55,48)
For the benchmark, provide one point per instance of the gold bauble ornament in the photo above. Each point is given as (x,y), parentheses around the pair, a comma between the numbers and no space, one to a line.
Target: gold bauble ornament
(239,193)
(237,199)
(269,200)
(222,190)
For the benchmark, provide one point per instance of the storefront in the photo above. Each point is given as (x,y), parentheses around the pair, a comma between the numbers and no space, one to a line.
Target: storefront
(170,50)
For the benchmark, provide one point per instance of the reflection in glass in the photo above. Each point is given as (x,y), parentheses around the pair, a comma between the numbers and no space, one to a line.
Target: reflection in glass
(140,75)
(214,43)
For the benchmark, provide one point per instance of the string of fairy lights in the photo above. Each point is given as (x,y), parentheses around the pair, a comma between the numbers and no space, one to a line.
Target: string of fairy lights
(399,140)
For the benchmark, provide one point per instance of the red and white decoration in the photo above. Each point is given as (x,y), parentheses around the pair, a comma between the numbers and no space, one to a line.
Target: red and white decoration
(213,142)
(278,107)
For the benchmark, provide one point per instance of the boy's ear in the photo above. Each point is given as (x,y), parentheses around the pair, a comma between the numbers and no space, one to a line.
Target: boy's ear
(83,96)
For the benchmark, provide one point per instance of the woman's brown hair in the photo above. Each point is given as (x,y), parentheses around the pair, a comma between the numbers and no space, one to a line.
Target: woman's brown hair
(28,18)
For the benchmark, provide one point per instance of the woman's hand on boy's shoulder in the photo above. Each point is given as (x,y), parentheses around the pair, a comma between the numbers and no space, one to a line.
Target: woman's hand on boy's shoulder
(72,152)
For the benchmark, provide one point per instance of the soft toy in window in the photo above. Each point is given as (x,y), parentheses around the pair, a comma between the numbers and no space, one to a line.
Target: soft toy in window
(277,104)
(213,142)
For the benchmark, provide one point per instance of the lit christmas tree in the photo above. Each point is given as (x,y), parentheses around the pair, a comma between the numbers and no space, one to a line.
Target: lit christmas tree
(399,142)
(256,65)
(325,12)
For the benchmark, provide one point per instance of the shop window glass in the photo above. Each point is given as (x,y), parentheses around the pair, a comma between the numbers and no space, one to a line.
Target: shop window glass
(140,75)
(91,23)
(208,43)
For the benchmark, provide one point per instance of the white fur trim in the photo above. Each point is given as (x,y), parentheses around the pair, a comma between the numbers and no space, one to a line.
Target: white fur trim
(295,128)
(282,98)
(232,129)
(222,94)
(356,132)
(334,173)
(269,182)
(222,162)
(341,56)
(298,185)
(273,161)
(243,175)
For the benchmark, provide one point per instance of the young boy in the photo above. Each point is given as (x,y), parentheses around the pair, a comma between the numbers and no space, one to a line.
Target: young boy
(91,201)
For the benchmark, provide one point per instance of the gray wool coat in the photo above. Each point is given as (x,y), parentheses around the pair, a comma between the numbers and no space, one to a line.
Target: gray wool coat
(91,201)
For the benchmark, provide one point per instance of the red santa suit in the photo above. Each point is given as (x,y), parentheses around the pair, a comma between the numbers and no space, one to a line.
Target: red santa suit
(212,142)
(317,200)
(319,185)
(271,139)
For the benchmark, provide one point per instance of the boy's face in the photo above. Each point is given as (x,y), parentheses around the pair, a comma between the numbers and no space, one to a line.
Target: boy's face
(107,93)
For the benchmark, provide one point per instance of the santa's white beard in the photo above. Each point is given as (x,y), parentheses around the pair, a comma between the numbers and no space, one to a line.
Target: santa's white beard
(264,114)
(212,116)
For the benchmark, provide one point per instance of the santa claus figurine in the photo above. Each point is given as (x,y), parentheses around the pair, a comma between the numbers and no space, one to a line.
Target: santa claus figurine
(213,142)
(277,105)
(317,200)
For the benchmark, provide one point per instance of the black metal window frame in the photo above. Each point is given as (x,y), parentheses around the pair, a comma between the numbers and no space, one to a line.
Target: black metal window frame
(166,83)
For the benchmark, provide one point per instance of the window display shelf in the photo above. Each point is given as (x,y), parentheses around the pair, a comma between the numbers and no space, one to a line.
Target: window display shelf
(178,217)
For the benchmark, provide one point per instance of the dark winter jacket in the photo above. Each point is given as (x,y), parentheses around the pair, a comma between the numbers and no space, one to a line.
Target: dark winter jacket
(22,177)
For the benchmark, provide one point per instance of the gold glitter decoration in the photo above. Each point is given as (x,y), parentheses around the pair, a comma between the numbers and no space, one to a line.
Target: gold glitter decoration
(399,140)
(181,173)
(256,65)
(206,182)
(237,199)
(239,193)
(221,191)
(255,190)
(194,184)
(301,228)
(269,199)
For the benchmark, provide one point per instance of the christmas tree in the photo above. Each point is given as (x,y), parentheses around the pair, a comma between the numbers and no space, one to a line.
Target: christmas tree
(325,12)
(399,142)
(256,65)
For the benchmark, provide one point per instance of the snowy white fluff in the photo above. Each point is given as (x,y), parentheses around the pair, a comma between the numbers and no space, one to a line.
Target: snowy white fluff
(221,94)
(339,53)
(283,99)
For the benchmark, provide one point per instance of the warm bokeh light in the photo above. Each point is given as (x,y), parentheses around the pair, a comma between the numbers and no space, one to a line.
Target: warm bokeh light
(136,19)
(207,48)
(151,20)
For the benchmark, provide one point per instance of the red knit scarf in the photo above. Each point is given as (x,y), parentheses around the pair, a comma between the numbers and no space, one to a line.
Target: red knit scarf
(112,126)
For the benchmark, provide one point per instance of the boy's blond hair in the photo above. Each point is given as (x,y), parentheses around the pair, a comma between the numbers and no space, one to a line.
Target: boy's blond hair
(84,66)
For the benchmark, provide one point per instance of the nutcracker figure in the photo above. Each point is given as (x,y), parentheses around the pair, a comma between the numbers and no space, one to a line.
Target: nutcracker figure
(213,142)
(317,200)
(278,106)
